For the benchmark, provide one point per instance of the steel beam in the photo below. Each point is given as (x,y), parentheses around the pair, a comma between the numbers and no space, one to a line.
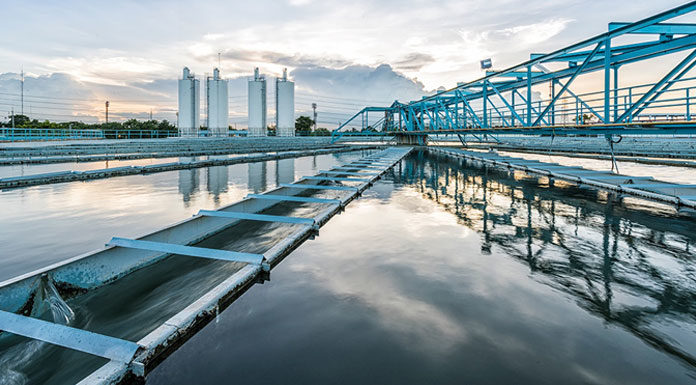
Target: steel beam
(290,198)
(171,248)
(68,337)
(348,173)
(318,187)
(257,217)
(337,179)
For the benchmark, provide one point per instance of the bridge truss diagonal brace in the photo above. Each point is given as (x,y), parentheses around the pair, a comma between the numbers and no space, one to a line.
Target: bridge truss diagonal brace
(578,71)
(660,87)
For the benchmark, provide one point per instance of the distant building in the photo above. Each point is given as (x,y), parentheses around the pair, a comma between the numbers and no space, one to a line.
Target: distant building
(285,106)
(217,105)
(188,119)
(257,105)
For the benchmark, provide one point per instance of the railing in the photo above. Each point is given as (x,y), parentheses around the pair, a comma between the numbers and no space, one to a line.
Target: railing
(511,100)
(40,134)
(675,104)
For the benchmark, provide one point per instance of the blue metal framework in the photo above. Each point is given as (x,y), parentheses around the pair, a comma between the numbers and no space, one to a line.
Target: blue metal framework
(504,101)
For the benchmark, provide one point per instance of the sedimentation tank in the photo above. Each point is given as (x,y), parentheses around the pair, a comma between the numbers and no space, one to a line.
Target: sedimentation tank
(188,118)
(257,105)
(285,106)
(218,106)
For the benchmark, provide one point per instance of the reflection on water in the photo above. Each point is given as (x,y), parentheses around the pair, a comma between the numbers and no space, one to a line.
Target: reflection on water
(285,171)
(257,177)
(450,273)
(630,262)
(44,224)
(189,180)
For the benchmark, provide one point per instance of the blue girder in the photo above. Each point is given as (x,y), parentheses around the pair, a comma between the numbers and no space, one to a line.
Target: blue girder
(488,104)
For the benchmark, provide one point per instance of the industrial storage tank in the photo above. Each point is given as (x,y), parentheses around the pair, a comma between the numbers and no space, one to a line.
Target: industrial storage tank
(188,118)
(218,105)
(257,105)
(285,106)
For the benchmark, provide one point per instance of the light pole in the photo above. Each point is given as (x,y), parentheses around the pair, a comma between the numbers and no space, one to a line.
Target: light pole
(314,108)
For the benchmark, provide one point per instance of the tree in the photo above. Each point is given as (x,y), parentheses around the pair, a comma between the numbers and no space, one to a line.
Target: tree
(20,120)
(321,131)
(584,119)
(303,125)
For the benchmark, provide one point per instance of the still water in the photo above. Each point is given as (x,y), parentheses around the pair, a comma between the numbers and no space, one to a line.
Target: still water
(42,225)
(449,274)
(442,273)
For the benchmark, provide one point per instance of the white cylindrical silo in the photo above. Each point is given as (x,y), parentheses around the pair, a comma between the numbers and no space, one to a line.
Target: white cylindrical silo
(257,105)
(188,119)
(218,106)
(285,106)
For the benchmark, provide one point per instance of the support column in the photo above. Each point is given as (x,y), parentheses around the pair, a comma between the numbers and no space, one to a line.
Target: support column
(607,78)
(529,96)
(485,104)
(616,92)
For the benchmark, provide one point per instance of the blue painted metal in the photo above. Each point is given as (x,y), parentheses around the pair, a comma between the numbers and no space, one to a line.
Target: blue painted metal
(659,185)
(77,339)
(257,217)
(171,248)
(289,198)
(337,179)
(489,102)
(348,173)
(317,187)
(357,167)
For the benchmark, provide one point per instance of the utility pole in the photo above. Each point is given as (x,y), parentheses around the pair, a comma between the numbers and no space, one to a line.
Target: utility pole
(22,90)
(12,118)
(314,108)
(150,113)
(107,111)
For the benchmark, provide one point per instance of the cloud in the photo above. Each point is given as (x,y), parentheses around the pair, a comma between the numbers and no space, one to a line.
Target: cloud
(299,3)
(61,97)
(340,92)
(291,60)
(529,34)
(414,61)
(379,83)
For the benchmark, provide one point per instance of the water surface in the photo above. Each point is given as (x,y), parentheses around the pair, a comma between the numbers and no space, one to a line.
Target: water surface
(41,225)
(451,274)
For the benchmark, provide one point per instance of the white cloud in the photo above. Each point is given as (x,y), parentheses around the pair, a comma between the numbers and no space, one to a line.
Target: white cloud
(530,34)
(119,44)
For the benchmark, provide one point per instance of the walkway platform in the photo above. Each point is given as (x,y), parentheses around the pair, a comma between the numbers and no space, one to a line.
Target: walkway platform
(640,186)
(71,176)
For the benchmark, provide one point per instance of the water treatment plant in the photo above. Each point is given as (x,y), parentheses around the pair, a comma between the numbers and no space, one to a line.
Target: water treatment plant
(534,225)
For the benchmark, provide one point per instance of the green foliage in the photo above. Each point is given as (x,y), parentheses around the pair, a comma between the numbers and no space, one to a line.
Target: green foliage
(321,131)
(584,119)
(303,126)
(23,121)
(271,131)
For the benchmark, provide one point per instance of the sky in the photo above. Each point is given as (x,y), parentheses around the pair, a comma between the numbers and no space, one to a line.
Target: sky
(343,55)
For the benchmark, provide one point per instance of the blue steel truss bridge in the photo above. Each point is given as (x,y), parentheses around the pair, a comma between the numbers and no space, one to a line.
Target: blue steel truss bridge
(511,102)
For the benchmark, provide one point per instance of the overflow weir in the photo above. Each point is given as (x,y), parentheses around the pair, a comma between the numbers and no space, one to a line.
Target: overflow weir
(71,175)
(639,186)
(197,266)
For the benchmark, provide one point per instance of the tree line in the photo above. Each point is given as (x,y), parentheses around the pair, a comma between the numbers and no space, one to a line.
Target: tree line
(23,121)
(303,125)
